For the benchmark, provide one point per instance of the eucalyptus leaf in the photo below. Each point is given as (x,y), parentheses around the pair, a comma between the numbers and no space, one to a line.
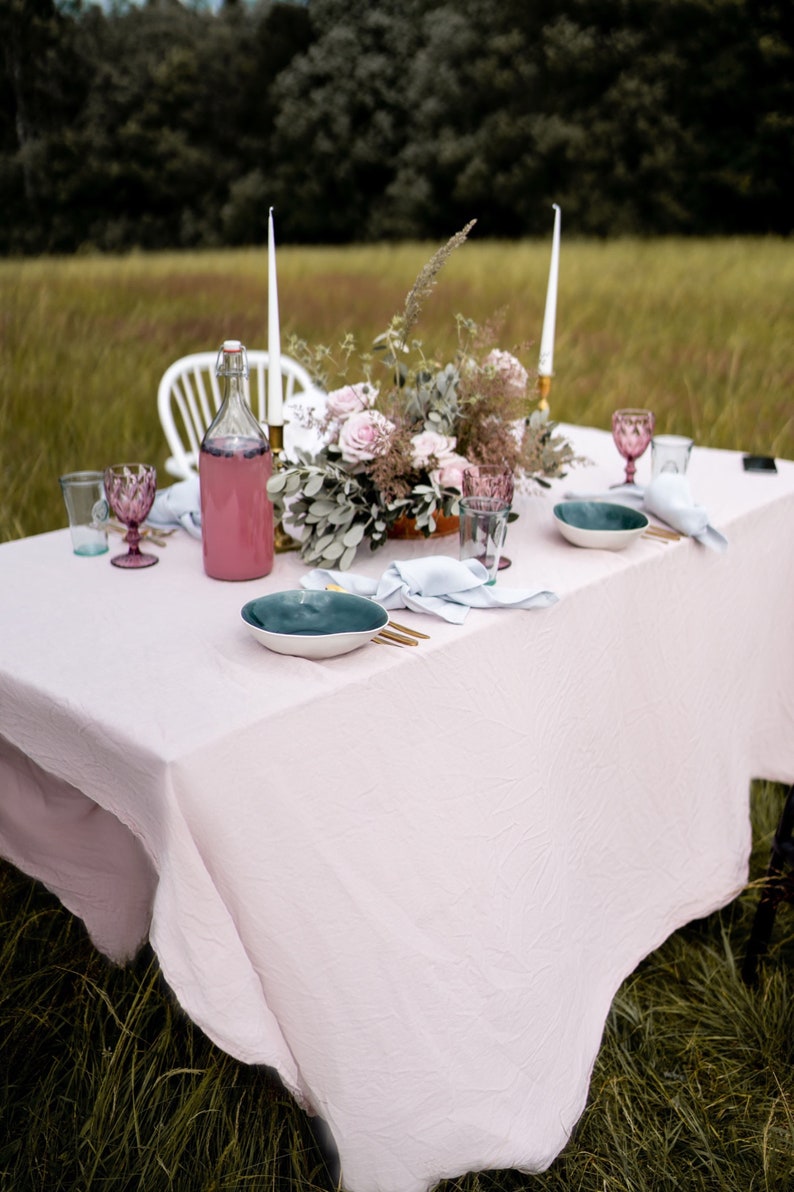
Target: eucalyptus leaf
(322,507)
(342,516)
(313,485)
(293,484)
(277,483)
(354,535)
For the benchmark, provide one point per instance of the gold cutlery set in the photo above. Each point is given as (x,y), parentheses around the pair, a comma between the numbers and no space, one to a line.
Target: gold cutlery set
(399,635)
(661,534)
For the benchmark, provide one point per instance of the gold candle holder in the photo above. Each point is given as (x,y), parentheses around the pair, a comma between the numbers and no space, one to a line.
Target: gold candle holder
(282,541)
(544,389)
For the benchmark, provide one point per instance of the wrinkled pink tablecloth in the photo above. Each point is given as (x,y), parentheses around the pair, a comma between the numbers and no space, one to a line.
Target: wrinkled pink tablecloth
(411,880)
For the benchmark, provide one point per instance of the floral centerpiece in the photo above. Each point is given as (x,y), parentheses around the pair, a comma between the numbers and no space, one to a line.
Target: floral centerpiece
(397,439)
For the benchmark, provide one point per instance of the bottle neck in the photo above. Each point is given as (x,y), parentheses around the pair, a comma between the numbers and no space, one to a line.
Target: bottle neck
(234,390)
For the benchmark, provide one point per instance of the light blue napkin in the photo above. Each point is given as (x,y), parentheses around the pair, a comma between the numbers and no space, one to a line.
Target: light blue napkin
(436,584)
(669,498)
(178,505)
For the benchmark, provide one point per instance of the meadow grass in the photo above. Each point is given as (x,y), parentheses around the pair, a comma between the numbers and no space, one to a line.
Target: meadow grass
(699,331)
(104,1084)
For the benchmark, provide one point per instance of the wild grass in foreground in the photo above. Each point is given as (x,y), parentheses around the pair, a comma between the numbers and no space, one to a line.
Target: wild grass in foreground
(106,1086)
(700,331)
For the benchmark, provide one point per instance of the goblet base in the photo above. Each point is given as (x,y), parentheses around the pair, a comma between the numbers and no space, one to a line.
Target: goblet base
(134,561)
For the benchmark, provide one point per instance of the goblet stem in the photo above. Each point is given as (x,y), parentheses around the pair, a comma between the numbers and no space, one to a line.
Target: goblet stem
(133,538)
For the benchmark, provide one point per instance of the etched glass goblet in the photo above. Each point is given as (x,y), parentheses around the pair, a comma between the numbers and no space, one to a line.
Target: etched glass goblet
(130,490)
(490,480)
(632,431)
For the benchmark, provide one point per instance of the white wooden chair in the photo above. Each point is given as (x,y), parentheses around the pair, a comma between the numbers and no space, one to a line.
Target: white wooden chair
(189,395)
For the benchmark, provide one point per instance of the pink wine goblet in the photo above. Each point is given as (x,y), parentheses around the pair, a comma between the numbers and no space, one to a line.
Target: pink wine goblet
(130,490)
(490,480)
(632,431)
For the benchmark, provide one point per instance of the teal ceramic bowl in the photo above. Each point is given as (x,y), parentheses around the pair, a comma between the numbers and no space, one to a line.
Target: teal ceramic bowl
(311,624)
(599,524)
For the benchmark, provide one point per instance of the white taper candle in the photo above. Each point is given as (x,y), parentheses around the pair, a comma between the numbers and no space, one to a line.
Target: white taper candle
(546,363)
(275,398)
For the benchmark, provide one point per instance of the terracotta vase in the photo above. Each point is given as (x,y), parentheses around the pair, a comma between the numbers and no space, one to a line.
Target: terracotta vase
(405,527)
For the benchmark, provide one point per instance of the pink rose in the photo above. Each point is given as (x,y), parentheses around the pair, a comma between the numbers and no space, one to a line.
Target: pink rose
(449,473)
(428,443)
(350,399)
(364,436)
(512,371)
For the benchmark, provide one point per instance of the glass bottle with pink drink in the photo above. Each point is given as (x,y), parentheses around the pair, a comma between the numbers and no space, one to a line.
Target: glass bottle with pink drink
(235,464)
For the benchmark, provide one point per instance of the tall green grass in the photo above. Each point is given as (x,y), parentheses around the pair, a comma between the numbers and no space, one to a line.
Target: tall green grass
(700,331)
(104,1085)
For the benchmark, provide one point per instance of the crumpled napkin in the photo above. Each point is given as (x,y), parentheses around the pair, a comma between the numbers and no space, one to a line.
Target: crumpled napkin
(436,584)
(178,505)
(669,498)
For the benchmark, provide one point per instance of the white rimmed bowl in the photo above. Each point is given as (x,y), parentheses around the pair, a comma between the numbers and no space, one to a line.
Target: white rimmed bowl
(599,525)
(313,624)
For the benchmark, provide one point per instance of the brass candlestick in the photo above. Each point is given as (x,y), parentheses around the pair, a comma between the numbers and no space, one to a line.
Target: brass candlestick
(544,389)
(282,541)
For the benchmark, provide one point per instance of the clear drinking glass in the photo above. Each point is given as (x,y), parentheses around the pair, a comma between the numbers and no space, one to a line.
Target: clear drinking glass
(490,480)
(632,431)
(670,453)
(84,496)
(130,490)
(483,525)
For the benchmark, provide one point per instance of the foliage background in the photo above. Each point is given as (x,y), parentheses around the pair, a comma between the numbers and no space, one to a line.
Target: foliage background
(172,125)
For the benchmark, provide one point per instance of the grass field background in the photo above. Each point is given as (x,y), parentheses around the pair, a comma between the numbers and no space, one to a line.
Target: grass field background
(702,332)
(104,1085)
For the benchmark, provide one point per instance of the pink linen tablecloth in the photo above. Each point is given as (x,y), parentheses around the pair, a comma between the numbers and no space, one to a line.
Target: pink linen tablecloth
(410,880)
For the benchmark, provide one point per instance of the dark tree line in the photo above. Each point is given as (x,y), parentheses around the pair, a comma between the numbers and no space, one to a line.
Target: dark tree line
(170,125)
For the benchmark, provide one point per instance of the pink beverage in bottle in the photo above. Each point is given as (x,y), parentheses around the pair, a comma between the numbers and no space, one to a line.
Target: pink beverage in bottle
(235,464)
(236,513)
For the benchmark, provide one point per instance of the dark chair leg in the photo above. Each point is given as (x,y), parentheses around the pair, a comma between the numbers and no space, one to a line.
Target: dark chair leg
(778,887)
(327,1148)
